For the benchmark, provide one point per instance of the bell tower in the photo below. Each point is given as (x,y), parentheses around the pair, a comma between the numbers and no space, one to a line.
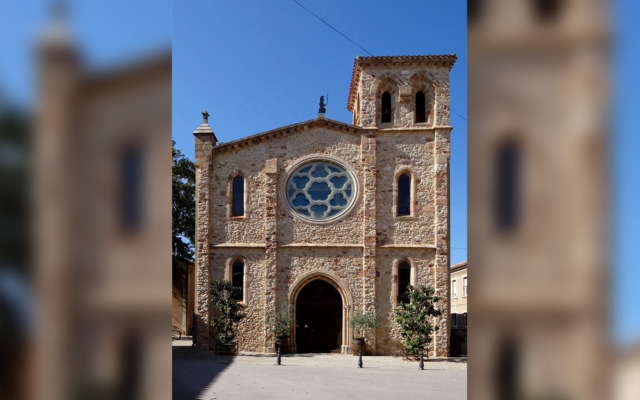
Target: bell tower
(401,91)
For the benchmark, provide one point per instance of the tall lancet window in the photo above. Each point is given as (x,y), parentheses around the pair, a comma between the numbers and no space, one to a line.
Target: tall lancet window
(404,280)
(404,195)
(421,112)
(386,107)
(237,196)
(237,278)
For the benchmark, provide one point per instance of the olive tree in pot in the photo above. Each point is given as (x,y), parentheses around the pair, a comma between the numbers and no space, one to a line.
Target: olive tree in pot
(414,318)
(281,323)
(229,313)
(361,322)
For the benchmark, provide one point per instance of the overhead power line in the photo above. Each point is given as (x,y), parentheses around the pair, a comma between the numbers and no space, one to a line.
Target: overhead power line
(362,48)
(332,27)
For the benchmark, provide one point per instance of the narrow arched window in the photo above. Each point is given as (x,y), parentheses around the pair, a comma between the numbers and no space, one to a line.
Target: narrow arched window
(237,197)
(474,11)
(131,193)
(386,107)
(547,10)
(506,193)
(237,278)
(421,112)
(404,195)
(404,280)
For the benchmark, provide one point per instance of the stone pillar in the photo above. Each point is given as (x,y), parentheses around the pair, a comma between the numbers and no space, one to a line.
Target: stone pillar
(369,272)
(56,170)
(442,153)
(271,247)
(205,139)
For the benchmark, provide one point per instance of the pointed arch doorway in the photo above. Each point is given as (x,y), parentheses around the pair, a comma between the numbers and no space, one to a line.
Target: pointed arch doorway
(319,318)
(322,301)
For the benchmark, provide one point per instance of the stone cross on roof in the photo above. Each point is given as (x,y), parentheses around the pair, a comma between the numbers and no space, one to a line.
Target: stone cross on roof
(205,117)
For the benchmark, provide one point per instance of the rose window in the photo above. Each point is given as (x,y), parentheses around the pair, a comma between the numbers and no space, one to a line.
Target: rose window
(320,190)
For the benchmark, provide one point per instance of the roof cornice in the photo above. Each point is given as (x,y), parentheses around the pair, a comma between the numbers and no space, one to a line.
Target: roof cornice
(319,122)
(443,60)
(459,266)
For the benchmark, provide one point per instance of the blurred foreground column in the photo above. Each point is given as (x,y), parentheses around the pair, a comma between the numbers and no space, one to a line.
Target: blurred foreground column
(538,192)
(103,222)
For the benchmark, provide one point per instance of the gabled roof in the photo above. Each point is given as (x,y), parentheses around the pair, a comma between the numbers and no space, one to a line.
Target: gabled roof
(319,122)
(446,60)
(459,266)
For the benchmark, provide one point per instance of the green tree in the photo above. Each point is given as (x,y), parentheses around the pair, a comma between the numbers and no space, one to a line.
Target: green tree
(281,321)
(183,209)
(414,318)
(229,311)
(15,177)
(361,322)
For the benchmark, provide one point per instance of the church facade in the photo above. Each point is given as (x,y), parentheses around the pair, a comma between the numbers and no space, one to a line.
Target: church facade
(331,217)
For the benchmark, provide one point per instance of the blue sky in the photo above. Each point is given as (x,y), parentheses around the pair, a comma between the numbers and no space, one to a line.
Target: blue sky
(256,66)
(625,165)
(108,33)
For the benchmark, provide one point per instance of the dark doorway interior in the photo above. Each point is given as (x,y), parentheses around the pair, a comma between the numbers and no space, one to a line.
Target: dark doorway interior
(318,318)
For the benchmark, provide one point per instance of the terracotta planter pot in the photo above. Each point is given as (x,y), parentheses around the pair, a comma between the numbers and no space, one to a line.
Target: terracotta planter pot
(357,345)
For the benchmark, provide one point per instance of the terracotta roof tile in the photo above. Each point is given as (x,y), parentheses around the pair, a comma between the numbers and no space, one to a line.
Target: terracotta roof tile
(460,265)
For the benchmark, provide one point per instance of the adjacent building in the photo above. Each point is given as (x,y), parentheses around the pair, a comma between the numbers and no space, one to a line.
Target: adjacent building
(458,301)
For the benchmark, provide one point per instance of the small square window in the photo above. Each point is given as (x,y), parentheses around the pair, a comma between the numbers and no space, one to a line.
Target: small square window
(464,286)
(454,289)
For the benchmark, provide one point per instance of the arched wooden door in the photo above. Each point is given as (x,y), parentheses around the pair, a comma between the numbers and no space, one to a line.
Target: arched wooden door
(319,318)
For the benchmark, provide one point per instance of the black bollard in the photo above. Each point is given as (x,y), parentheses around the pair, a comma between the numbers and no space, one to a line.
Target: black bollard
(360,359)
(421,365)
(278,356)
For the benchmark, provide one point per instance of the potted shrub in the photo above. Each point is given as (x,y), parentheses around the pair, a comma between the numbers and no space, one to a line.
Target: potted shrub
(281,323)
(414,318)
(360,323)
(229,313)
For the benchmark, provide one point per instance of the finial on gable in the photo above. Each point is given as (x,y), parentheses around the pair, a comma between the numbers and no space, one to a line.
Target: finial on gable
(204,129)
(322,110)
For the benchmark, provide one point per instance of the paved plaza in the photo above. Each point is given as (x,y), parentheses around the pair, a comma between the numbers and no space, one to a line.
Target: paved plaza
(200,374)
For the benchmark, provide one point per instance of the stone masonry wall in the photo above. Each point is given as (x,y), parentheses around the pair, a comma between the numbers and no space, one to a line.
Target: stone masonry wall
(203,158)
(358,252)
(412,152)
(251,335)
(422,260)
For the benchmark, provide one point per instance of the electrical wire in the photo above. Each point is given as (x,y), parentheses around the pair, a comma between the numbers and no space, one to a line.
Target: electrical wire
(331,26)
(362,48)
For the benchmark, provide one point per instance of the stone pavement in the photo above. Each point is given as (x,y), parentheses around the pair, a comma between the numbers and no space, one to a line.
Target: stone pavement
(200,374)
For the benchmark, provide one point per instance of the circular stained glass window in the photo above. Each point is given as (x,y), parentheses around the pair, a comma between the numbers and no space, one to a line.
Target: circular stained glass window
(320,190)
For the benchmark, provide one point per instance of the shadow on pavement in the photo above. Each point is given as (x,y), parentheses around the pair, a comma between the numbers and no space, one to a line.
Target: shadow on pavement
(194,370)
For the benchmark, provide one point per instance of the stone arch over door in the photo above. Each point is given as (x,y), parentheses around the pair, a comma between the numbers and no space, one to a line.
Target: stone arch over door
(340,285)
